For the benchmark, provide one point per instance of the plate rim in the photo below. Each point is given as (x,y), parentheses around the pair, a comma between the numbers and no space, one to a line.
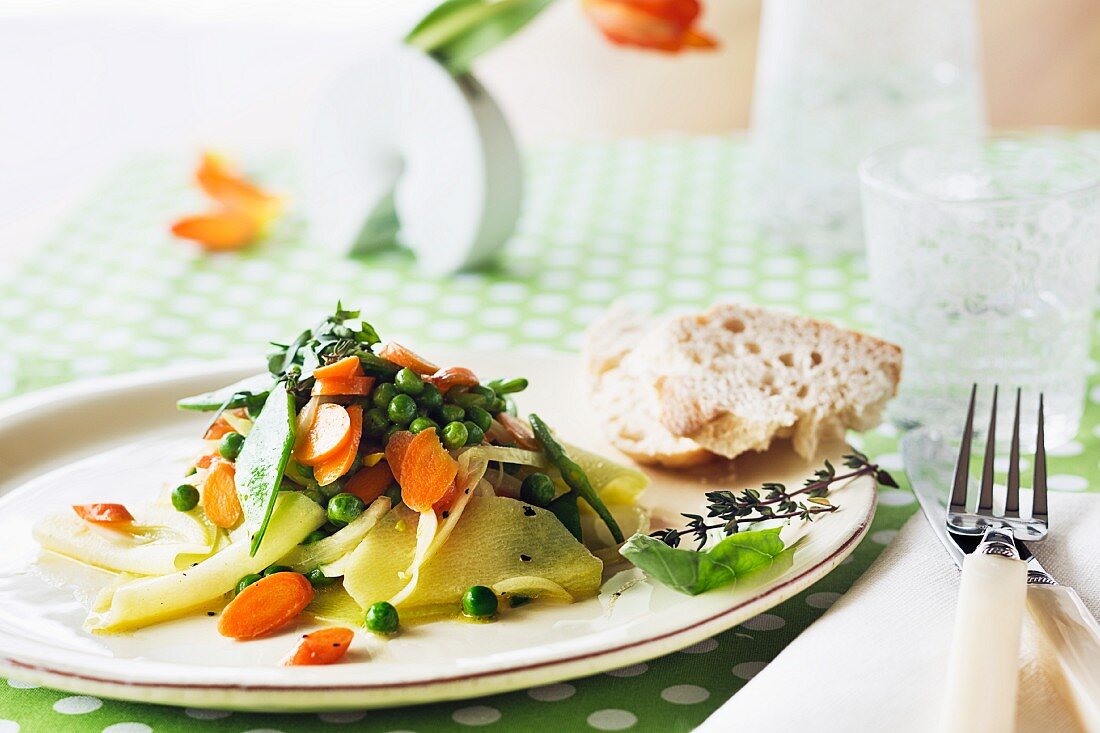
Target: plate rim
(463,685)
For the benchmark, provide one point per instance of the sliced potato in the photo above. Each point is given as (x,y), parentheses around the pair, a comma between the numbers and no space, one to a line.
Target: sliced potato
(497,539)
(150,545)
(151,600)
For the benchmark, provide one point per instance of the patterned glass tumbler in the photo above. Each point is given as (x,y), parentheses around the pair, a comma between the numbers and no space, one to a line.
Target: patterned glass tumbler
(983,255)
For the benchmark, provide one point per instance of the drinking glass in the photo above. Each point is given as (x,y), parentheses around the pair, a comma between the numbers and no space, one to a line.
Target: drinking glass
(983,255)
(838,79)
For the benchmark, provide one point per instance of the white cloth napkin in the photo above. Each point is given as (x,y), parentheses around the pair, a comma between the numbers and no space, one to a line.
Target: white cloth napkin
(876,660)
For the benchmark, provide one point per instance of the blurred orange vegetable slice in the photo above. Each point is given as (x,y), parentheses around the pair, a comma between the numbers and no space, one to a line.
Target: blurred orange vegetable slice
(219,495)
(395,451)
(346,367)
(219,230)
(268,604)
(449,377)
(662,25)
(335,386)
(243,213)
(369,483)
(103,513)
(341,462)
(327,434)
(232,190)
(399,355)
(321,647)
(427,470)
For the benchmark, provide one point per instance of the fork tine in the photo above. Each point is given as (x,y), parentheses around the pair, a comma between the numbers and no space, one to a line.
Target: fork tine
(1039,494)
(985,497)
(1012,498)
(962,468)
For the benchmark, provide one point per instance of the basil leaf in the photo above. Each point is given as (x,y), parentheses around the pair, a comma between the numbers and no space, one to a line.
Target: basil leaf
(458,31)
(257,385)
(694,572)
(263,460)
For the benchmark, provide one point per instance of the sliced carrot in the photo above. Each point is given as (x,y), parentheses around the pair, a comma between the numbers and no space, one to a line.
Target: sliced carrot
(218,429)
(446,501)
(343,386)
(304,420)
(401,356)
(103,513)
(205,461)
(268,604)
(326,436)
(520,431)
(224,229)
(231,189)
(321,647)
(449,377)
(395,451)
(349,366)
(369,483)
(341,462)
(427,470)
(219,495)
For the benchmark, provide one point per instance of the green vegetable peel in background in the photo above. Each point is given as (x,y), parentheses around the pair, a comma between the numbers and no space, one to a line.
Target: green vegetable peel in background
(263,460)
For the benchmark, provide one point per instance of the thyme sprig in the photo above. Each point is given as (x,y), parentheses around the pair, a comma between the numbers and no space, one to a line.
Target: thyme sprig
(772,501)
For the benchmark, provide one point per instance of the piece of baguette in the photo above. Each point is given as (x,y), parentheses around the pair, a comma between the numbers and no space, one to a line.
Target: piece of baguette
(738,376)
(622,392)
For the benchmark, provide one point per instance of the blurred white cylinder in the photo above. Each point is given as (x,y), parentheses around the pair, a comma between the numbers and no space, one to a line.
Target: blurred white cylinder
(836,80)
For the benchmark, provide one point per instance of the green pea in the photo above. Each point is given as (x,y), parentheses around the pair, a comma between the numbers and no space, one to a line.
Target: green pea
(331,490)
(389,433)
(247,581)
(382,395)
(486,392)
(375,421)
(277,569)
(315,536)
(475,434)
(185,497)
(318,579)
(431,397)
(479,602)
(230,446)
(421,424)
(393,493)
(408,382)
(343,508)
(451,413)
(455,435)
(402,409)
(382,618)
(315,495)
(479,417)
(537,489)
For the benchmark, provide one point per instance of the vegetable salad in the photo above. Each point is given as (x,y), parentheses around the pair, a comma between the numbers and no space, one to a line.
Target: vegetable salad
(356,482)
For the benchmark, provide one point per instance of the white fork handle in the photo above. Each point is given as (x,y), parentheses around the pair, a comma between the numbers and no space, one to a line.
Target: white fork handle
(984,662)
(1073,636)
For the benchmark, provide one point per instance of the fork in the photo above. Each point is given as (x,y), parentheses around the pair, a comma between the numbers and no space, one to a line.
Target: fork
(983,667)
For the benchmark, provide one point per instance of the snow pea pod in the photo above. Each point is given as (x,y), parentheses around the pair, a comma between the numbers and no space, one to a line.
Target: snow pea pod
(256,386)
(573,475)
(263,460)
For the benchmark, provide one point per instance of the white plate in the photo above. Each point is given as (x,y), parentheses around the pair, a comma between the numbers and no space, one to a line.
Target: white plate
(121,439)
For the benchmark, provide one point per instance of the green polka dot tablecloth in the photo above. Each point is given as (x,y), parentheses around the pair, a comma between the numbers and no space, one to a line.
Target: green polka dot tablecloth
(660,223)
